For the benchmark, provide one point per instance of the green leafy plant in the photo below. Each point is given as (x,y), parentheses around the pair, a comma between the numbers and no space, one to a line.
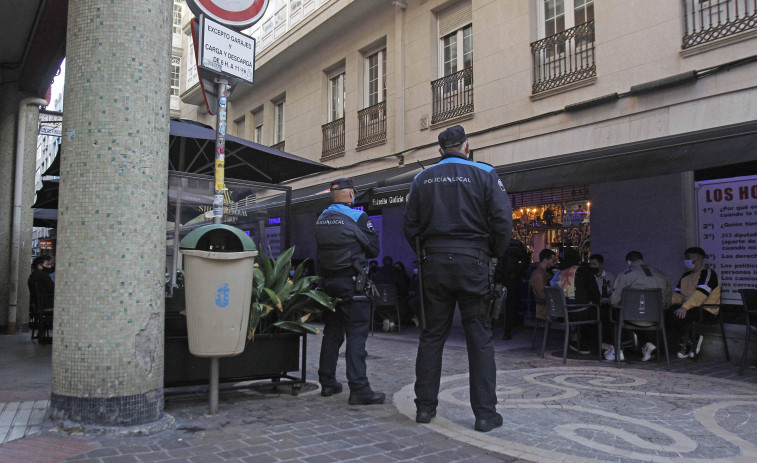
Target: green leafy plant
(281,301)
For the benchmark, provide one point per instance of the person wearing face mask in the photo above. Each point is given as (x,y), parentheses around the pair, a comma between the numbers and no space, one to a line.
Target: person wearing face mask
(604,278)
(697,291)
(40,283)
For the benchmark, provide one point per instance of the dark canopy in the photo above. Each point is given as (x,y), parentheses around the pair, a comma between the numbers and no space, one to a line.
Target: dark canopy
(245,160)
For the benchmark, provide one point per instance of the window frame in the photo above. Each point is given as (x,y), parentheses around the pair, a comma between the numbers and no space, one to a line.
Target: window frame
(380,93)
(336,113)
(460,52)
(279,108)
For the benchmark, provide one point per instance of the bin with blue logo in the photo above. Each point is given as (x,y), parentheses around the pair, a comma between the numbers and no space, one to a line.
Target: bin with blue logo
(218,269)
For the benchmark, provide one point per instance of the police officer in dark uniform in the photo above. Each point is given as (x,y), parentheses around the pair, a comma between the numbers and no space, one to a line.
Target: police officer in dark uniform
(460,211)
(346,240)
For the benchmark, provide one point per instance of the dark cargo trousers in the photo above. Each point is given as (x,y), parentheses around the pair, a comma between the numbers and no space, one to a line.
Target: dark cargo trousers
(450,279)
(351,318)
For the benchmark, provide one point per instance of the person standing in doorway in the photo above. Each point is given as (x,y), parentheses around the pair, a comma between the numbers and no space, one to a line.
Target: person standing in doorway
(461,214)
(346,240)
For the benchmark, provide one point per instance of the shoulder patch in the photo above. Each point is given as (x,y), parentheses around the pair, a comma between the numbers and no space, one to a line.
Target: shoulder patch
(369,224)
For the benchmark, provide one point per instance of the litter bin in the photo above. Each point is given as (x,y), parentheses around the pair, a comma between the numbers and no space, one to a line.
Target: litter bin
(218,267)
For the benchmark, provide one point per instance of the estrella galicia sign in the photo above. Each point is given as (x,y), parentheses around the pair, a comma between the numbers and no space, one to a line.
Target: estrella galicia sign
(222,295)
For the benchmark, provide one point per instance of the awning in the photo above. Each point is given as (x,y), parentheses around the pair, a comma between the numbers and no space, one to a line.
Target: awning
(245,160)
(690,151)
(47,196)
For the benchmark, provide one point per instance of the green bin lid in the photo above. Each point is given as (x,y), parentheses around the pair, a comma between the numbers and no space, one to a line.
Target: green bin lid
(190,241)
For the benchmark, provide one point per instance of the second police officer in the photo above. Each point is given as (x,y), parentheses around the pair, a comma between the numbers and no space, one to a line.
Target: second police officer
(460,211)
(346,240)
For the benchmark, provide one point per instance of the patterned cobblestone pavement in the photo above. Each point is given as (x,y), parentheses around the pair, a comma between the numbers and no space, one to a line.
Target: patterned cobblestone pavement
(583,411)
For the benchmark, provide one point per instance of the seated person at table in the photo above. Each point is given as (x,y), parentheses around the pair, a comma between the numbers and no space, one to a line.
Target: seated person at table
(698,286)
(580,287)
(641,276)
(540,278)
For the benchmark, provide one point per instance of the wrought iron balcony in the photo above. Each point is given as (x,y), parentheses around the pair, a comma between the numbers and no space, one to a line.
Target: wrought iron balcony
(709,20)
(333,138)
(372,124)
(564,58)
(452,95)
(279,146)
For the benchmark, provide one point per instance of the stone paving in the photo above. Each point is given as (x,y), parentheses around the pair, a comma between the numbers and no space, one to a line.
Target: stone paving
(583,411)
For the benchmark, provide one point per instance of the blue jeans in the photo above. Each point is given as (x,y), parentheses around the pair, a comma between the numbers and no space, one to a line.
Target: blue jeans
(351,318)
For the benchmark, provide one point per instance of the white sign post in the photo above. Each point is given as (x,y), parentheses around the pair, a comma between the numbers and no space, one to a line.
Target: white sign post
(225,51)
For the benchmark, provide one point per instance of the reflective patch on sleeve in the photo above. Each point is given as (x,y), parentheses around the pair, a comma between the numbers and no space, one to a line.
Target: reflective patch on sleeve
(369,224)
(501,186)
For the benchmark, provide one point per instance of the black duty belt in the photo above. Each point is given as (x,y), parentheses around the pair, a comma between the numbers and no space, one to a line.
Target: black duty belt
(476,253)
(347,272)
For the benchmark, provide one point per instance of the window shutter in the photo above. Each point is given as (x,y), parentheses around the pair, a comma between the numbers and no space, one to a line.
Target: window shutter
(455,17)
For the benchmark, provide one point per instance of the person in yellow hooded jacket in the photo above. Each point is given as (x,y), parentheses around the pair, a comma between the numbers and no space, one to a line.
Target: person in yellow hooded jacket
(698,292)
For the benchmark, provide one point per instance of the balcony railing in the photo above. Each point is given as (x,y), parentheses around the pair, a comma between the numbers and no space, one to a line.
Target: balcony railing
(564,58)
(452,95)
(372,124)
(279,146)
(709,20)
(333,138)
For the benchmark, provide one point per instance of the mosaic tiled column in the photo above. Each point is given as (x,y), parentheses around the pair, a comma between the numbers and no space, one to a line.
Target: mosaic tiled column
(110,267)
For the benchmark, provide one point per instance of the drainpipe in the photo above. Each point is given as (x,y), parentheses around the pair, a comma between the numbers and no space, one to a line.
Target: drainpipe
(17,196)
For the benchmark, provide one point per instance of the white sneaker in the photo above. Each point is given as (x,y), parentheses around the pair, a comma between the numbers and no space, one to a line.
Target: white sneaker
(392,327)
(698,345)
(610,354)
(646,351)
(386,326)
(622,357)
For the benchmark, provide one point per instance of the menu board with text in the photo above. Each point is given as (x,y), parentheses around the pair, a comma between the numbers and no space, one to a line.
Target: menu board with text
(727,213)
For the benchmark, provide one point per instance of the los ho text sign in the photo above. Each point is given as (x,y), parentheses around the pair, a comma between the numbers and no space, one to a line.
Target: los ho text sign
(225,51)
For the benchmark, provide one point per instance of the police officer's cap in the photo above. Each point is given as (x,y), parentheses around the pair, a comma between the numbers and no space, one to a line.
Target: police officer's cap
(451,137)
(344,183)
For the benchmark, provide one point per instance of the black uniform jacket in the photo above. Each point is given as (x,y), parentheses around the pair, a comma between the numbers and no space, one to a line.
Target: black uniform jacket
(458,203)
(344,235)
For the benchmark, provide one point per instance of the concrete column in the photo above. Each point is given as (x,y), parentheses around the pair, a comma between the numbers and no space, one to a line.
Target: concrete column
(107,367)
(9,99)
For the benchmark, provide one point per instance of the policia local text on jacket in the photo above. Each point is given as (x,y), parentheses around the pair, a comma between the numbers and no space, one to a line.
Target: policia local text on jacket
(460,211)
(346,240)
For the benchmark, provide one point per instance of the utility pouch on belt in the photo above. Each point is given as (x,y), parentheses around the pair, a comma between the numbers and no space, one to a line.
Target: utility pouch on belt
(361,277)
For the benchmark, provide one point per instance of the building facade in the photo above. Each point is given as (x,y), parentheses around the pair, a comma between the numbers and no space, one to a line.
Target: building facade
(600,117)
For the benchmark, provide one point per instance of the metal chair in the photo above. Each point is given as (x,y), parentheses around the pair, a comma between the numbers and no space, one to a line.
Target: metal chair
(749,299)
(641,310)
(384,296)
(559,313)
(718,319)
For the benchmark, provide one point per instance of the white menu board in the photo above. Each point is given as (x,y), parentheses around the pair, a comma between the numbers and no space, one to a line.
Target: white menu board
(727,213)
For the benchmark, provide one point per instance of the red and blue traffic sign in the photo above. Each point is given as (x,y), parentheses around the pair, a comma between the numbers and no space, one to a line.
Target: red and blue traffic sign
(238,14)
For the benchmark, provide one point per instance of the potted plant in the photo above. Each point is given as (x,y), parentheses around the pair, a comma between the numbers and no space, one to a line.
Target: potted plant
(284,301)
(281,305)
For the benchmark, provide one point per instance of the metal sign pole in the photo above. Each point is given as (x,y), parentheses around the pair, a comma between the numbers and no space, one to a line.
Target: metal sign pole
(222,86)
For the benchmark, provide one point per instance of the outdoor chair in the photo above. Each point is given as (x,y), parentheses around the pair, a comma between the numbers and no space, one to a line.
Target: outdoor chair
(749,299)
(384,296)
(41,316)
(718,319)
(559,313)
(641,310)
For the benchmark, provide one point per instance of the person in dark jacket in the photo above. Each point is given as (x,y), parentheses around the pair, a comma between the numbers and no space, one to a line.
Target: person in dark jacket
(580,287)
(461,213)
(41,289)
(346,240)
(510,270)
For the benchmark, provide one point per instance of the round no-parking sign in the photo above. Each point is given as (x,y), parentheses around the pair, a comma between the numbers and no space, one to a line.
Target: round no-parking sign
(238,14)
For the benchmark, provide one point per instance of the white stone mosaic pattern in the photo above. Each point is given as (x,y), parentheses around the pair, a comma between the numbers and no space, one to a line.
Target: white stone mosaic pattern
(111,238)
(605,414)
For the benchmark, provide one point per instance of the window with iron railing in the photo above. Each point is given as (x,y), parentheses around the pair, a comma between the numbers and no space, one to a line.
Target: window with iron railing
(452,95)
(372,124)
(333,138)
(710,20)
(564,58)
